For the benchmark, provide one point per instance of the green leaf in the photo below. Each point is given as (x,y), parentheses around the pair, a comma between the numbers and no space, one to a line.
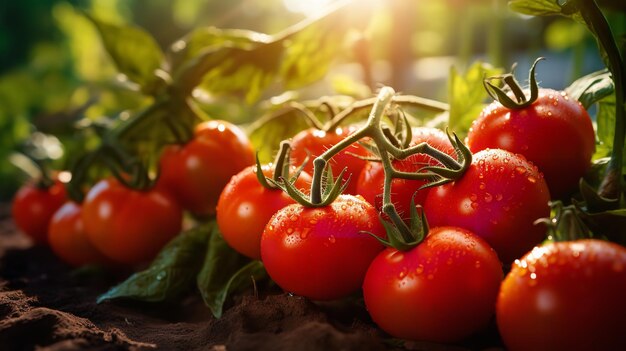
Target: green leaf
(172,272)
(592,88)
(309,52)
(466,95)
(225,271)
(605,119)
(135,52)
(267,132)
(536,7)
(246,64)
(210,38)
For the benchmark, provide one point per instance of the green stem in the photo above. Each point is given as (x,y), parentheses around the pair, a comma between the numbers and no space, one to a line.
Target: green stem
(612,184)
(403,100)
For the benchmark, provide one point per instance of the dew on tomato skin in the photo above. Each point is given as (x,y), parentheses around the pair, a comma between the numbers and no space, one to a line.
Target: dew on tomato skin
(419,270)
(293,218)
(332,239)
(532,179)
(449,261)
(520,169)
(488,197)
(474,205)
(402,273)
(481,186)
(494,157)
(271,227)
(499,197)
(477,264)
(305,233)
(473,197)
(289,230)
(430,277)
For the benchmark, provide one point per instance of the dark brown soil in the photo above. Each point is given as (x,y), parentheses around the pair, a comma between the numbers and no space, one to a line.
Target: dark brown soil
(46,305)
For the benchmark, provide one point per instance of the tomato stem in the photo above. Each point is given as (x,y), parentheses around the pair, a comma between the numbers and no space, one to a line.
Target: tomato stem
(612,183)
(509,79)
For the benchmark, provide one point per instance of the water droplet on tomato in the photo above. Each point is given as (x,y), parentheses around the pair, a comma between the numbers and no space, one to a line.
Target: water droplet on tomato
(473,197)
(313,221)
(498,197)
(449,261)
(488,197)
(474,205)
(332,239)
(305,233)
(419,269)
(402,273)
(549,113)
(495,157)
(430,277)
(481,186)
(477,264)
(532,179)
(520,169)
(293,218)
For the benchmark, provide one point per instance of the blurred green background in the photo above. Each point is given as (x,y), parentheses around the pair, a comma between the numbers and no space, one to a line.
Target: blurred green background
(54,72)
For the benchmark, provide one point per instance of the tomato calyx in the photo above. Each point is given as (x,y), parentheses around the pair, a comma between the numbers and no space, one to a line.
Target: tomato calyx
(509,79)
(401,236)
(565,223)
(281,169)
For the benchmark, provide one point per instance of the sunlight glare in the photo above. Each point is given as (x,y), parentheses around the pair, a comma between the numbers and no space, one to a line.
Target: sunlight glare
(308,7)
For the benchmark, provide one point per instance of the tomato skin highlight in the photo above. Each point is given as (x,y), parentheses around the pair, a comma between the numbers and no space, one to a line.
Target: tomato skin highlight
(313,142)
(565,296)
(245,207)
(498,198)
(32,208)
(68,240)
(196,173)
(371,180)
(555,133)
(443,290)
(129,226)
(321,253)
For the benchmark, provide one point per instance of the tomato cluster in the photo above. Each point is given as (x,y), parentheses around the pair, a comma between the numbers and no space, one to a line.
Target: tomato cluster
(117,225)
(444,284)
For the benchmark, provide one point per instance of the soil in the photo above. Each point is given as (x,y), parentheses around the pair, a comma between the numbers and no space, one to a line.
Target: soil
(46,305)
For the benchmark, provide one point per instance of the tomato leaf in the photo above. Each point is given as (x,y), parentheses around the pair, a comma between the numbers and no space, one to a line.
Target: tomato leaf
(135,52)
(246,63)
(267,132)
(172,272)
(605,119)
(225,271)
(467,95)
(592,88)
(536,7)
(208,38)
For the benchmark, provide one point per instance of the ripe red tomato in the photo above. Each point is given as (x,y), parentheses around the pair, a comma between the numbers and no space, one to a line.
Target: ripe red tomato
(371,180)
(67,237)
(129,226)
(442,290)
(245,207)
(33,207)
(565,296)
(196,172)
(321,253)
(499,197)
(555,133)
(315,142)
